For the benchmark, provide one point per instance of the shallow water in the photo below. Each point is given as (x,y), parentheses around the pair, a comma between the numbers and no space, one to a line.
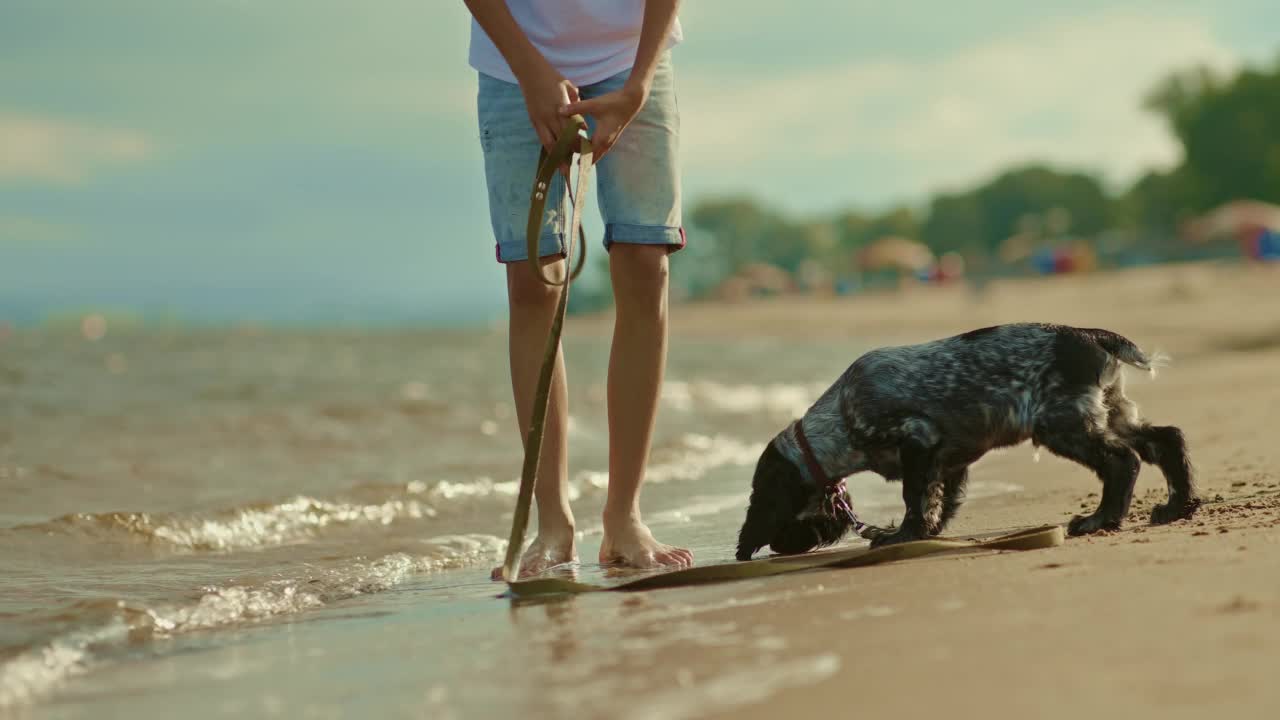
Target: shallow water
(242,521)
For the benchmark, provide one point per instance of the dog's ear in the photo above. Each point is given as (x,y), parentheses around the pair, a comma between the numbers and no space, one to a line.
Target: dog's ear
(813,529)
(771,505)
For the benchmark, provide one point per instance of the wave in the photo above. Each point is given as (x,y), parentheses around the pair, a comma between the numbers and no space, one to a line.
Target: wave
(251,526)
(37,670)
(301,518)
(259,525)
(789,400)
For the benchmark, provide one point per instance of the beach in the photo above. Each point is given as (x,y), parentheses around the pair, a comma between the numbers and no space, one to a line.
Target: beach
(265,523)
(1174,621)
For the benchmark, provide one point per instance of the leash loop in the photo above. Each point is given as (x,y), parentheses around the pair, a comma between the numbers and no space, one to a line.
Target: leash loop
(573,138)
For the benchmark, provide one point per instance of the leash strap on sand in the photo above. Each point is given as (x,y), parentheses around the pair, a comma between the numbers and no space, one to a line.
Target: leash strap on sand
(573,139)
(1030,539)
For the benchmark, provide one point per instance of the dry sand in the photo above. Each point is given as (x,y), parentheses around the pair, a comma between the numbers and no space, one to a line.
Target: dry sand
(1180,621)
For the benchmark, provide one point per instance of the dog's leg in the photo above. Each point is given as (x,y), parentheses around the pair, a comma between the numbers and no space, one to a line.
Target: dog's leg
(1165,446)
(919,471)
(953,482)
(1074,435)
(1161,445)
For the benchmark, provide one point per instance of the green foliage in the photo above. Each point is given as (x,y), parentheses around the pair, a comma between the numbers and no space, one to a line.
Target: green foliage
(745,231)
(1231,136)
(1157,203)
(855,230)
(1229,129)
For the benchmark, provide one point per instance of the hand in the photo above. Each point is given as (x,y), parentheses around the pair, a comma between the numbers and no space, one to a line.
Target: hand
(612,112)
(545,92)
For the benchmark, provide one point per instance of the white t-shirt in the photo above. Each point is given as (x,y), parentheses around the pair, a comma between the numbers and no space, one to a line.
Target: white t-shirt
(586,40)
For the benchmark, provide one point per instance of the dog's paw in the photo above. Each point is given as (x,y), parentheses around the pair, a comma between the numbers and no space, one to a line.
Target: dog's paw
(1087,524)
(871,532)
(903,534)
(1174,510)
(932,527)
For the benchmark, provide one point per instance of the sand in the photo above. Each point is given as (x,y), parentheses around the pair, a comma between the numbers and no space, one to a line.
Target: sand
(1175,621)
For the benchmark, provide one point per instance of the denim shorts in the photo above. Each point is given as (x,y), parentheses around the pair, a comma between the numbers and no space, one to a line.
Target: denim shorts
(638,181)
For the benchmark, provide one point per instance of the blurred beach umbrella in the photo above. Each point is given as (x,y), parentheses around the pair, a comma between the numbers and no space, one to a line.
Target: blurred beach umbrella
(1017,248)
(1235,219)
(766,276)
(951,266)
(1084,258)
(895,253)
(756,279)
(815,278)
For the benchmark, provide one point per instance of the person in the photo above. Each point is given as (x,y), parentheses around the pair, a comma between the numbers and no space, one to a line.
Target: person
(540,61)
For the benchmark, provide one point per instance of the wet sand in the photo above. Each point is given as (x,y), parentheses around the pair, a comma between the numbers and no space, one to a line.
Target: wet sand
(1174,621)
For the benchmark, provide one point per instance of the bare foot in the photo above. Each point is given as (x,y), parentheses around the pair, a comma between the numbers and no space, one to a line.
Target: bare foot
(630,543)
(543,554)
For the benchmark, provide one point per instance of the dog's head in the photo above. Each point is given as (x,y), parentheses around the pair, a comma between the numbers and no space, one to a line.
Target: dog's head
(787,512)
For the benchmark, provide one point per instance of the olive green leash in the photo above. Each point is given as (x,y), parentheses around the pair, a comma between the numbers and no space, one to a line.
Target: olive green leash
(1029,539)
(573,139)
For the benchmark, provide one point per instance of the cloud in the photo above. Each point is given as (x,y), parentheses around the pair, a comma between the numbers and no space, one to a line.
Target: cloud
(51,151)
(1067,91)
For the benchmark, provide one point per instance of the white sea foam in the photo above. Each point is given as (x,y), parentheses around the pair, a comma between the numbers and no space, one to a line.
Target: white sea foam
(42,669)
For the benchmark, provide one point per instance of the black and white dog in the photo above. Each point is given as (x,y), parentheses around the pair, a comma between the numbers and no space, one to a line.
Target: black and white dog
(923,413)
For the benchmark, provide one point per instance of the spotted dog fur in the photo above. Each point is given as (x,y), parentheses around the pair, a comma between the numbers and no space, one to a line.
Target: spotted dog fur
(923,413)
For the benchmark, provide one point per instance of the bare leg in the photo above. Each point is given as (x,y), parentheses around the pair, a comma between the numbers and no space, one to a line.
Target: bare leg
(532,305)
(636,365)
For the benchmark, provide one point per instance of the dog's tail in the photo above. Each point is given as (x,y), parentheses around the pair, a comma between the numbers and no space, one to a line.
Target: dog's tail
(1127,352)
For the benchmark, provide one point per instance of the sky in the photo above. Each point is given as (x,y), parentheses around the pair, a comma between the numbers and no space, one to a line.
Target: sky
(318,160)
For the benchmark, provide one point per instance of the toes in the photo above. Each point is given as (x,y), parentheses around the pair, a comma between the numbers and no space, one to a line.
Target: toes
(646,559)
(1083,525)
(1162,514)
(883,540)
(1074,526)
(678,557)
(1090,524)
(526,569)
(1174,510)
(896,538)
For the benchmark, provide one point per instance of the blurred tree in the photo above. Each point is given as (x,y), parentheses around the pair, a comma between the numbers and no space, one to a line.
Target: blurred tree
(1157,203)
(1229,130)
(956,222)
(978,221)
(1177,97)
(747,232)
(853,229)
